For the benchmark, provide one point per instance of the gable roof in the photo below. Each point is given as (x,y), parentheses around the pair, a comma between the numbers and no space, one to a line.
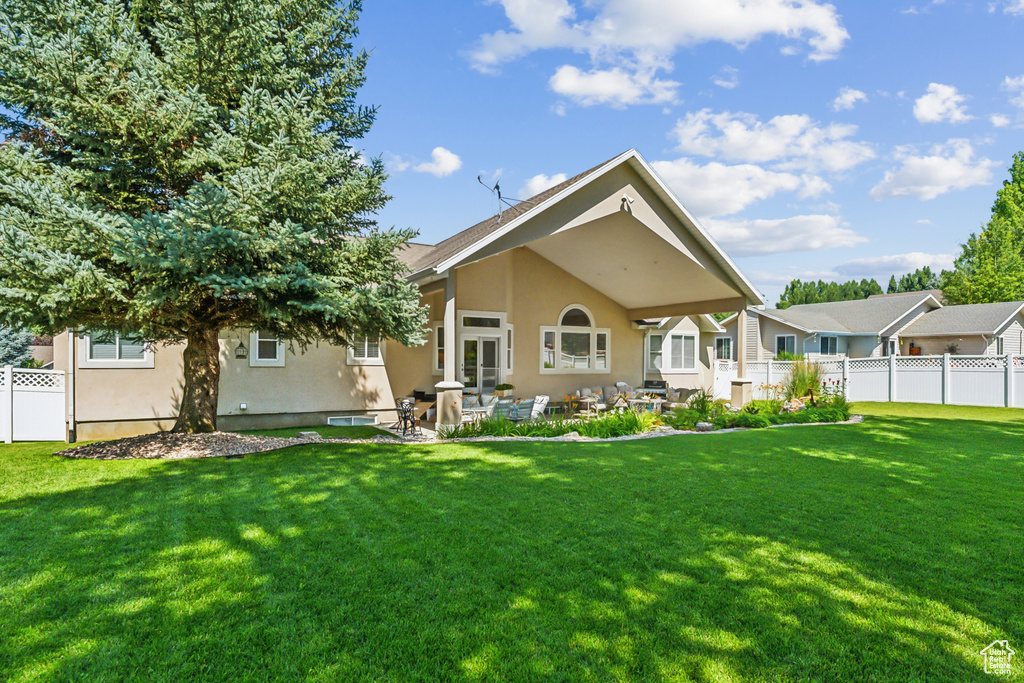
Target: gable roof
(966,319)
(463,245)
(869,316)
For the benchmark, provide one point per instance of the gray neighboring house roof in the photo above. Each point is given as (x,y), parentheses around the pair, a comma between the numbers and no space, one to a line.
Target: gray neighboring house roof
(969,319)
(869,316)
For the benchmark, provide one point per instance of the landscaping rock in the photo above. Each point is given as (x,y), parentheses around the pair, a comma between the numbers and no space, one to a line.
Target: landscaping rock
(793,406)
(309,435)
(705,427)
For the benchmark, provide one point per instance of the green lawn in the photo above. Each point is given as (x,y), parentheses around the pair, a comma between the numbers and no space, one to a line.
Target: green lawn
(887,551)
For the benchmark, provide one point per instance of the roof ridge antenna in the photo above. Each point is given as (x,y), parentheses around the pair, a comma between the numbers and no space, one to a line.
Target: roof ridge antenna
(497,190)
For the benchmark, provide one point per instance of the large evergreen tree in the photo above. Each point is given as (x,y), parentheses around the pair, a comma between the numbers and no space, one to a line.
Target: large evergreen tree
(174,169)
(920,280)
(990,266)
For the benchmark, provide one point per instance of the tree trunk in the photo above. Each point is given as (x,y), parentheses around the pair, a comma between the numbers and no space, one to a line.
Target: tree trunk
(198,411)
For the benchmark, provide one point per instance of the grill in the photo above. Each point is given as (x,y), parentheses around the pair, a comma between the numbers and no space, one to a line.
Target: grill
(658,387)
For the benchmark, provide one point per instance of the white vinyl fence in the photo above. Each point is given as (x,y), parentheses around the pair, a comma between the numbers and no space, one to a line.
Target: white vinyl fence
(955,380)
(31,405)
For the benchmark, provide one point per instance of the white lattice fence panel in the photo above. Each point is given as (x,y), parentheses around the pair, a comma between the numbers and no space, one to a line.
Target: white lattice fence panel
(1018,381)
(725,373)
(869,379)
(33,406)
(919,379)
(977,380)
(39,380)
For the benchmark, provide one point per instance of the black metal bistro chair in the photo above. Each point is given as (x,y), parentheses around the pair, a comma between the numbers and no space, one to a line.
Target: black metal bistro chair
(407,423)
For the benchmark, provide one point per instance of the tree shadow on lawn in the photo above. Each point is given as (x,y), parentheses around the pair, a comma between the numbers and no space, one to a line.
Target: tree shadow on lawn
(757,555)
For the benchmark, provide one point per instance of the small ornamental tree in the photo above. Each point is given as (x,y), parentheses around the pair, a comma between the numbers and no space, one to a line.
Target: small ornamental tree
(175,169)
(14,347)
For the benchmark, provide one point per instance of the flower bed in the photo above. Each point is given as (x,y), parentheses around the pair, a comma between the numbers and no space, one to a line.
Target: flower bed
(605,426)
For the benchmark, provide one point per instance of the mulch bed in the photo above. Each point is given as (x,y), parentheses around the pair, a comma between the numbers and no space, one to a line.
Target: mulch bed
(168,446)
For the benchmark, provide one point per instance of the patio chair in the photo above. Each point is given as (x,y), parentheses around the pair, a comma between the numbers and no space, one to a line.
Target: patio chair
(540,403)
(503,407)
(407,422)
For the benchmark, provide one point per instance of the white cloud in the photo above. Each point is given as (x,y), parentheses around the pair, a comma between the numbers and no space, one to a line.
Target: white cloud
(615,86)
(923,221)
(791,142)
(444,163)
(641,36)
(999,121)
(774,236)
(717,189)
(539,183)
(941,103)
(1009,7)
(395,163)
(948,167)
(1015,85)
(896,264)
(727,77)
(847,98)
(785,276)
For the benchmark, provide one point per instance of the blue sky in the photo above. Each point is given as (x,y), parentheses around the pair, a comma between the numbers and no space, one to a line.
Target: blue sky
(814,140)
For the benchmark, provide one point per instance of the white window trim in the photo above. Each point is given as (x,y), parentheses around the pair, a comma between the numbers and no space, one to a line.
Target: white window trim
(593,332)
(732,347)
(828,336)
(647,351)
(666,353)
(593,320)
(509,348)
(438,328)
(147,361)
(255,361)
(778,336)
(351,359)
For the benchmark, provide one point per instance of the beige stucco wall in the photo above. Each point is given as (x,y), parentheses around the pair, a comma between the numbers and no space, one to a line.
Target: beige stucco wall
(123,401)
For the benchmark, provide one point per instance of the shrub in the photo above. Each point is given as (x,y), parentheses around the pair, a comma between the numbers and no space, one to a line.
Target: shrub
(747,420)
(702,402)
(786,355)
(804,379)
(769,406)
(606,426)
(683,418)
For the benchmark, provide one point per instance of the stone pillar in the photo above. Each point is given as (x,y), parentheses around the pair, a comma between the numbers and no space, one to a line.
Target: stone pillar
(449,402)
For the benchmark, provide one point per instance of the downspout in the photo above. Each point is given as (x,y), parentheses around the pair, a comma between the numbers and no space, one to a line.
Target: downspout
(70,386)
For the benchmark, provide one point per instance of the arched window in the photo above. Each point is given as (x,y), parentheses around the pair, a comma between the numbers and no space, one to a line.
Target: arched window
(575,317)
(575,345)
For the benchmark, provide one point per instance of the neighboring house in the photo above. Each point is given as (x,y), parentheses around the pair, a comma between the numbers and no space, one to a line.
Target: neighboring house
(908,323)
(971,330)
(42,351)
(602,278)
(857,329)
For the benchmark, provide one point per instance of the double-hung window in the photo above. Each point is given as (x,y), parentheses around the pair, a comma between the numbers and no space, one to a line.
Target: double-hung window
(438,349)
(114,350)
(366,351)
(575,345)
(674,352)
(723,348)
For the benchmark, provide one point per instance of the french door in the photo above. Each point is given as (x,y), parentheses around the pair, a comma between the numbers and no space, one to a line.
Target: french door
(480,363)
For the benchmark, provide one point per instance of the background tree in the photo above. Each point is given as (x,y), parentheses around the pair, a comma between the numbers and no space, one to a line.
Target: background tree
(920,280)
(799,292)
(990,266)
(14,347)
(175,169)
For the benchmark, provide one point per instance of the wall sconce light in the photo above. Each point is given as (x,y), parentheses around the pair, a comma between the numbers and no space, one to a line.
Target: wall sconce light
(241,352)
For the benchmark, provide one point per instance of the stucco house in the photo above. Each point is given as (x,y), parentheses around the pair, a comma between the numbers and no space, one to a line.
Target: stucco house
(605,277)
(908,323)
